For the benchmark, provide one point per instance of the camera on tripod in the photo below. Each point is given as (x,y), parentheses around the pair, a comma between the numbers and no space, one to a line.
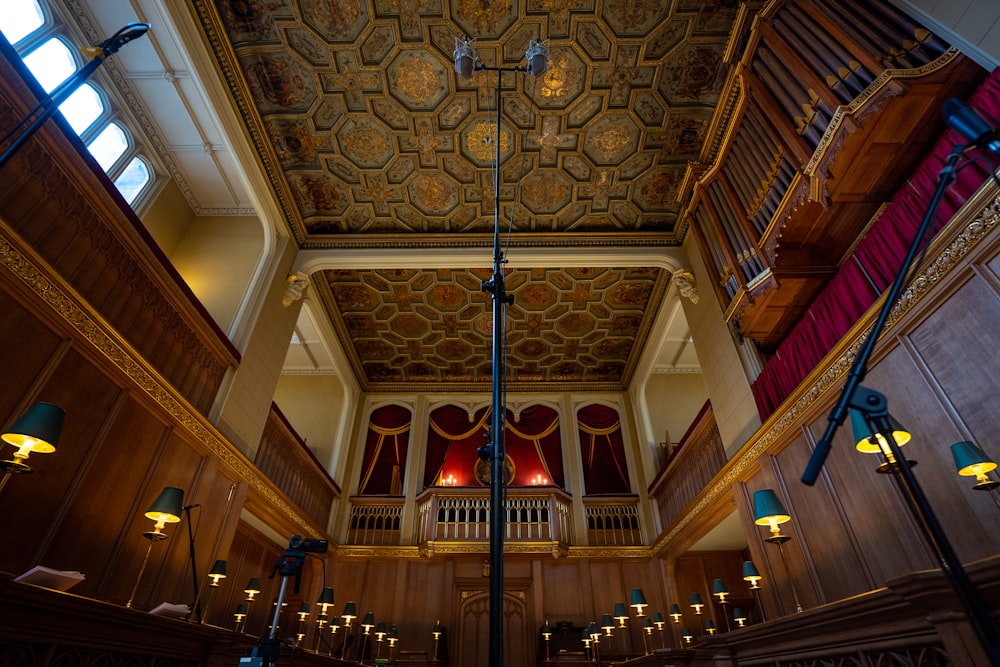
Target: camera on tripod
(299,546)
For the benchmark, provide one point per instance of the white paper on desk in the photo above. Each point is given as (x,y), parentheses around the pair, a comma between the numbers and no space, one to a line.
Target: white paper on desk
(60,580)
(171,610)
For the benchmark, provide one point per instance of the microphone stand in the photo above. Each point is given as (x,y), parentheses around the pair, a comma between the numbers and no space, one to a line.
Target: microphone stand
(497,449)
(196,605)
(50,104)
(873,405)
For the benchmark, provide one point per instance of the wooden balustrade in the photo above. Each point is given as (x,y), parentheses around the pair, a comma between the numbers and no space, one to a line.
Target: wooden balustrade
(374,521)
(613,521)
(694,463)
(284,459)
(448,514)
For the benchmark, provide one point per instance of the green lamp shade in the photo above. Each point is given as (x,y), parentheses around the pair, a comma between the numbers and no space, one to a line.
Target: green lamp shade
(325,596)
(218,569)
(546,630)
(638,599)
(620,610)
(437,628)
(253,586)
(719,587)
(335,623)
(241,611)
(648,624)
(863,434)
(350,611)
(369,620)
(750,572)
(393,631)
(970,460)
(168,506)
(739,615)
(593,630)
(709,625)
(675,609)
(696,599)
(38,428)
(767,508)
(380,629)
(606,622)
(658,619)
(686,633)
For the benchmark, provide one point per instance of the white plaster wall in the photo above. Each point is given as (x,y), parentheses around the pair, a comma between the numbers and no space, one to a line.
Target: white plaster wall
(727,383)
(217,257)
(971,25)
(312,404)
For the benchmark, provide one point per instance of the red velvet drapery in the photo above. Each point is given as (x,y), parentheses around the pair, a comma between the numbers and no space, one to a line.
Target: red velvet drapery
(876,260)
(533,444)
(603,451)
(384,462)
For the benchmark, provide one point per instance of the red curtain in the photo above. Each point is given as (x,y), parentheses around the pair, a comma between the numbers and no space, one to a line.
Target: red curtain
(876,260)
(604,467)
(533,445)
(384,462)
(450,429)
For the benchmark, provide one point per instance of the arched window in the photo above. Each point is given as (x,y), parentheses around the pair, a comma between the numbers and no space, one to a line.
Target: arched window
(42,45)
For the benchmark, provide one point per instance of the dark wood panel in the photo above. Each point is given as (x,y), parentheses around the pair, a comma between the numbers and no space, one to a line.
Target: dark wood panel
(90,534)
(30,503)
(21,362)
(819,514)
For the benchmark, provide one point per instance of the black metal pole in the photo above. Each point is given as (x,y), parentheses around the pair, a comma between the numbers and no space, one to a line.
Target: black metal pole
(196,605)
(498,447)
(50,104)
(497,450)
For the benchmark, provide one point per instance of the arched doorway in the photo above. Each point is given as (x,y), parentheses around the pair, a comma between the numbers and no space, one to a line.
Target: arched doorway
(474,630)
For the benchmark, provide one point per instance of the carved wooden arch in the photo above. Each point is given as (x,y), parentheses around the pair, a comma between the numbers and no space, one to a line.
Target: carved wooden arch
(472,647)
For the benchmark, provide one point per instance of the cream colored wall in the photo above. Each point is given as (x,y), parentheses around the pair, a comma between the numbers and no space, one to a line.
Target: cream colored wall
(217,257)
(728,387)
(168,217)
(971,25)
(310,403)
(674,400)
(242,408)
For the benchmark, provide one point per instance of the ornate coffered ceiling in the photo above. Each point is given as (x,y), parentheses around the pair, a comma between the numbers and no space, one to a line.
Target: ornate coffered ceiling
(371,140)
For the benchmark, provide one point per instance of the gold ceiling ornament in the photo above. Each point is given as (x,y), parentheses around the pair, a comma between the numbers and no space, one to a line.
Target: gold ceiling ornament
(481,140)
(418,79)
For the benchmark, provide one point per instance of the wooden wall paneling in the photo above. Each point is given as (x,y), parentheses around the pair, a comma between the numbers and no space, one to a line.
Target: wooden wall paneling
(832,563)
(780,594)
(947,343)
(218,606)
(174,463)
(30,501)
(564,599)
(938,376)
(885,534)
(254,556)
(209,491)
(21,362)
(423,604)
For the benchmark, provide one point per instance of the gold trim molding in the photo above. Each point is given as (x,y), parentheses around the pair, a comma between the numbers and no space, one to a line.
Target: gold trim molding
(433,549)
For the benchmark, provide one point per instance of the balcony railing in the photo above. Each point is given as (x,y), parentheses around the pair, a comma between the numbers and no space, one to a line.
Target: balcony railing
(613,521)
(375,521)
(453,515)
